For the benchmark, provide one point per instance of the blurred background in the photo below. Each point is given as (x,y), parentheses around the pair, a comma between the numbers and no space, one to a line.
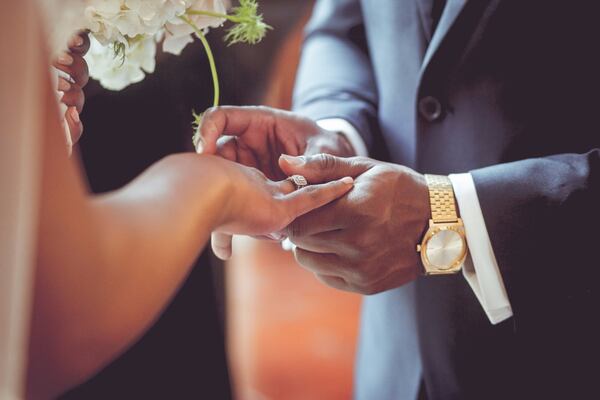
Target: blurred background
(260,327)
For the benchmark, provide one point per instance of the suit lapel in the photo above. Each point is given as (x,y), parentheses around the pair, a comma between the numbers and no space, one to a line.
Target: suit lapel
(451,12)
(425,8)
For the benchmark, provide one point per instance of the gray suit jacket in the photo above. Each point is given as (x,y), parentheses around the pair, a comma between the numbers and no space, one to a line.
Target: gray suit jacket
(505,89)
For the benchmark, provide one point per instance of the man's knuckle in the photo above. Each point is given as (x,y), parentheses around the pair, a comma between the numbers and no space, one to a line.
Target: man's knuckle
(357,277)
(324,279)
(368,290)
(211,113)
(303,259)
(324,161)
(364,286)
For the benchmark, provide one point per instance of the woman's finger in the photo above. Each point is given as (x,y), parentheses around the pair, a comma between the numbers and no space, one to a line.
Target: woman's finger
(222,245)
(75,66)
(74,124)
(311,197)
(79,43)
(285,186)
(227,148)
(73,94)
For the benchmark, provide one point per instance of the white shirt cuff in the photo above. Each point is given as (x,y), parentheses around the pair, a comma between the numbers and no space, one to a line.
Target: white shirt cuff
(481,268)
(349,131)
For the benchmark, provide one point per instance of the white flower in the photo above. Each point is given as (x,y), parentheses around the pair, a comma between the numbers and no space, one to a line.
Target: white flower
(115,72)
(112,20)
(135,25)
(178,33)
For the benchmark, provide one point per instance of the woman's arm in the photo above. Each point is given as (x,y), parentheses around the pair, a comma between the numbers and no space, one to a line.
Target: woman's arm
(107,266)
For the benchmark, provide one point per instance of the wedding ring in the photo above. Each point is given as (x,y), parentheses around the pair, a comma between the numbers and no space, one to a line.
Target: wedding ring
(298,180)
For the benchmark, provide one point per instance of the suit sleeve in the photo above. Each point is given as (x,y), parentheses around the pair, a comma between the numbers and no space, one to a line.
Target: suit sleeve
(335,78)
(543,218)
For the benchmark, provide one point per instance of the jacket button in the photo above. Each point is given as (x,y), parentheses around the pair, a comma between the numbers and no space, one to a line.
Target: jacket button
(430,108)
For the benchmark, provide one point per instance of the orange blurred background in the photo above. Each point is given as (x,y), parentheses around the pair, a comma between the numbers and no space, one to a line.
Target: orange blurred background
(288,336)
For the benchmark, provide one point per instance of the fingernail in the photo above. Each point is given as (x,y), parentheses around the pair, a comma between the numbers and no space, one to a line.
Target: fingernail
(294,161)
(198,141)
(74,114)
(63,85)
(76,41)
(65,59)
(64,75)
(347,180)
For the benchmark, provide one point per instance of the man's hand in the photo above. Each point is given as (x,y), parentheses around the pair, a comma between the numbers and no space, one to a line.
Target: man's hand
(257,136)
(366,241)
(71,81)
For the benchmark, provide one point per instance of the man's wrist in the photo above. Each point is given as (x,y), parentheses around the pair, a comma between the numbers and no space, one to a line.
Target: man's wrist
(443,247)
(329,142)
(345,129)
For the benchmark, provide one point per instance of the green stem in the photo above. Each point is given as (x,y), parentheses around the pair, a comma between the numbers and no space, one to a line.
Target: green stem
(213,68)
(211,59)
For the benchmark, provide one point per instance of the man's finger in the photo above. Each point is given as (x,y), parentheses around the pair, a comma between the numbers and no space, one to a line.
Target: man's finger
(227,148)
(324,264)
(333,281)
(323,167)
(322,242)
(222,245)
(225,120)
(329,218)
(232,149)
(311,197)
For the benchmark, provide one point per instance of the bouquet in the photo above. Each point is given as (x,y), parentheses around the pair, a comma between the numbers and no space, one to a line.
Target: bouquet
(124,35)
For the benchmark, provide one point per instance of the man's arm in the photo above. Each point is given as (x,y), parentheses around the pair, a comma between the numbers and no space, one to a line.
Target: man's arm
(542,215)
(335,78)
(480,268)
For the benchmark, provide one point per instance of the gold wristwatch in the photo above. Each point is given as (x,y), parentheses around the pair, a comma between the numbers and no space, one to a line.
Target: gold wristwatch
(444,247)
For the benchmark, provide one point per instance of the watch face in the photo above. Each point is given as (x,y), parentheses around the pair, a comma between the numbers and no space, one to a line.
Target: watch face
(445,248)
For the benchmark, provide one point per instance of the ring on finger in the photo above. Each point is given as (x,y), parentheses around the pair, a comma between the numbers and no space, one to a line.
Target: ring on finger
(298,180)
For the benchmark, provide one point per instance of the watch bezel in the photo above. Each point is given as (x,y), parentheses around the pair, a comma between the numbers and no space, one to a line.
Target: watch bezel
(432,269)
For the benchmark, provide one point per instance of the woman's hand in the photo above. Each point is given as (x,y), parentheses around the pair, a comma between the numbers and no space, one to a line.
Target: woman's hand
(257,206)
(73,77)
